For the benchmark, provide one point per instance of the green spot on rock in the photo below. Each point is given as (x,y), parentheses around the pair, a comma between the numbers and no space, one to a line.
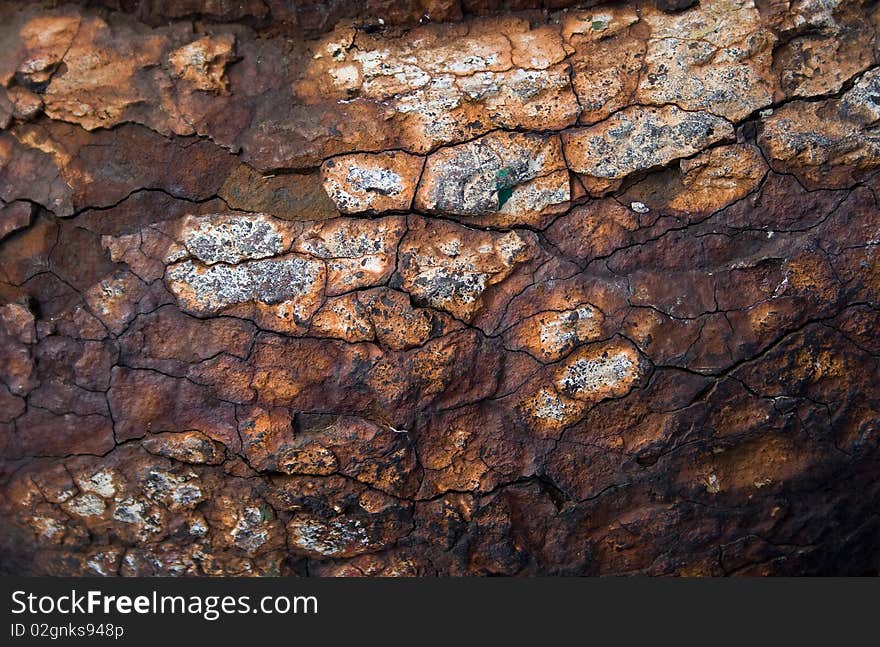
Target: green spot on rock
(504,194)
(599,25)
(503,186)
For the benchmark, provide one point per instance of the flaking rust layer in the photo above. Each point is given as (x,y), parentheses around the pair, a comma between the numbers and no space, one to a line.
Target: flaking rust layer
(440,288)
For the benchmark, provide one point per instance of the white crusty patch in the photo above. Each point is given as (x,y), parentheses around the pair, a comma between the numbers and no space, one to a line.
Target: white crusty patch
(101,483)
(209,289)
(231,238)
(442,286)
(597,373)
(548,406)
(330,538)
(137,512)
(175,490)
(47,526)
(87,505)
(250,532)
(567,327)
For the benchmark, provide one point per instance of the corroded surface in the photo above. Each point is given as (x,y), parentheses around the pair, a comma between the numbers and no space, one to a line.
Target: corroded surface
(439,287)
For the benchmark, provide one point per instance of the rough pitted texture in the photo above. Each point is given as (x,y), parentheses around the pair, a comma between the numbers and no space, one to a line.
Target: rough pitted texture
(440,287)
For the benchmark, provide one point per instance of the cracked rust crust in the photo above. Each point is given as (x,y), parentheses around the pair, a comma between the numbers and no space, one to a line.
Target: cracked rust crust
(440,288)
